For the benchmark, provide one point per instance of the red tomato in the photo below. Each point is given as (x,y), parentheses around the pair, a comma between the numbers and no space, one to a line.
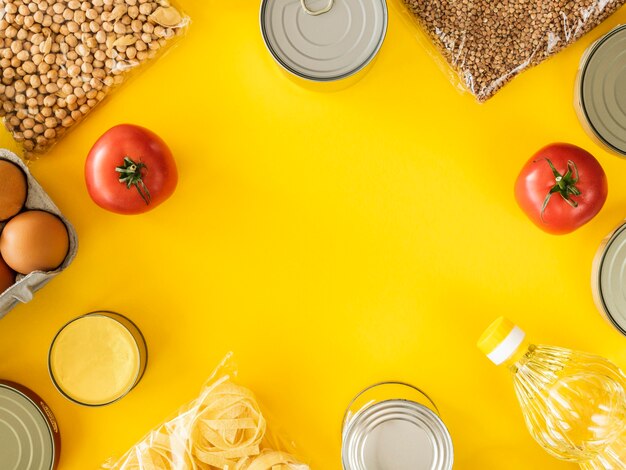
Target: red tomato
(130,170)
(561,188)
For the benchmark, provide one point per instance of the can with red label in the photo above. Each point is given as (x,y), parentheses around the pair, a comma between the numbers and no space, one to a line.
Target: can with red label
(29,433)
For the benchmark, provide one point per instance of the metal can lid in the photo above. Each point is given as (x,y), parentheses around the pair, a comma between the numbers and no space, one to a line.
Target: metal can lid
(603,89)
(610,278)
(398,434)
(28,432)
(328,46)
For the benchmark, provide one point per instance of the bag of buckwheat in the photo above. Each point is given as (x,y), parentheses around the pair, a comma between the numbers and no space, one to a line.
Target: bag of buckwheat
(488,42)
(60,58)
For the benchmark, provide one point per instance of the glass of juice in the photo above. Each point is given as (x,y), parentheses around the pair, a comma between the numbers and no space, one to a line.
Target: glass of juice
(97,358)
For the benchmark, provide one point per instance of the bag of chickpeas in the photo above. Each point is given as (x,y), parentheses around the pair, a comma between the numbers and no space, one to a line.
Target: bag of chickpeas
(60,58)
(488,42)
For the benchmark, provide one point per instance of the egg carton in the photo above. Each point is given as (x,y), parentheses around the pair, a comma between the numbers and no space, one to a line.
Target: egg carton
(26,286)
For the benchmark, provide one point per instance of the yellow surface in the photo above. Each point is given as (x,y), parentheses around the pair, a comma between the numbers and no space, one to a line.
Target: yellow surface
(331,240)
(95,360)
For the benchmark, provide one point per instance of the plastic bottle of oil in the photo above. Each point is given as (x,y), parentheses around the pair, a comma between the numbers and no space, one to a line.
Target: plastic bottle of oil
(574,404)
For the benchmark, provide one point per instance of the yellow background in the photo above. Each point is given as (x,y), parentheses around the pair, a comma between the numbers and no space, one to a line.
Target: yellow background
(331,240)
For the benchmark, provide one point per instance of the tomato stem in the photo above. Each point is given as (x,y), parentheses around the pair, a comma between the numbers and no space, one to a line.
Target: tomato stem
(131,174)
(565,185)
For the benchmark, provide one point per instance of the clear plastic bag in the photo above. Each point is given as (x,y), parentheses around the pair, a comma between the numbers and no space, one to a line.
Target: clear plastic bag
(488,42)
(60,58)
(223,428)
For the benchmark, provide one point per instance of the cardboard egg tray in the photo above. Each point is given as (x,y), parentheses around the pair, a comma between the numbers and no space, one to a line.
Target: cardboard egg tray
(26,286)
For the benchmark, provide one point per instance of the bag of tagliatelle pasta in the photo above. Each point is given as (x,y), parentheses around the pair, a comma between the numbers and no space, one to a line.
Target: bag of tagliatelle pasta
(223,429)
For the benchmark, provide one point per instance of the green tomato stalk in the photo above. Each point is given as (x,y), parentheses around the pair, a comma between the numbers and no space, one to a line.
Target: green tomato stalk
(131,175)
(565,185)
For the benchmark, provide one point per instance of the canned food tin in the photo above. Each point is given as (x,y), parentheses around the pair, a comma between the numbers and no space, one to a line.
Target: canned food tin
(323,40)
(29,434)
(98,358)
(393,425)
(600,96)
(608,278)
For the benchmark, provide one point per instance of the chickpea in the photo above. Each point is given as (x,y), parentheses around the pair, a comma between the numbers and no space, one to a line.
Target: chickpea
(60,58)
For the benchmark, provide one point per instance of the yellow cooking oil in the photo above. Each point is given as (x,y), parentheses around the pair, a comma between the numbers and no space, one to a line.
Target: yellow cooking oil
(574,404)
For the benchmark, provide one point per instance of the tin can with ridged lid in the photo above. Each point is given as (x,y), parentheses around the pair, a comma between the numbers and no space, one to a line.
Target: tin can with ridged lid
(324,40)
(395,425)
(600,91)
(29,433)
(608,278)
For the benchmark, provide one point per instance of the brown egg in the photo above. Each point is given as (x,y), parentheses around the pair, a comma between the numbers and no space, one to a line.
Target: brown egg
(7,276)
(13,189)
(34,241)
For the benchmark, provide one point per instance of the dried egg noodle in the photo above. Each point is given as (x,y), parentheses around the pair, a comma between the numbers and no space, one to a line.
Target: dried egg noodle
(223,429)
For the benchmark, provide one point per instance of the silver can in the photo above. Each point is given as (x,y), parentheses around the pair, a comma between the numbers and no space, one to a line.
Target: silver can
(323,40)
(608,278)
(29,433)
(600,93)
(393,425)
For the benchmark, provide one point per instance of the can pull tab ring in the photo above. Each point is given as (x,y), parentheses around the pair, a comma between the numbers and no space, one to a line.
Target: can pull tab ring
(326,9)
